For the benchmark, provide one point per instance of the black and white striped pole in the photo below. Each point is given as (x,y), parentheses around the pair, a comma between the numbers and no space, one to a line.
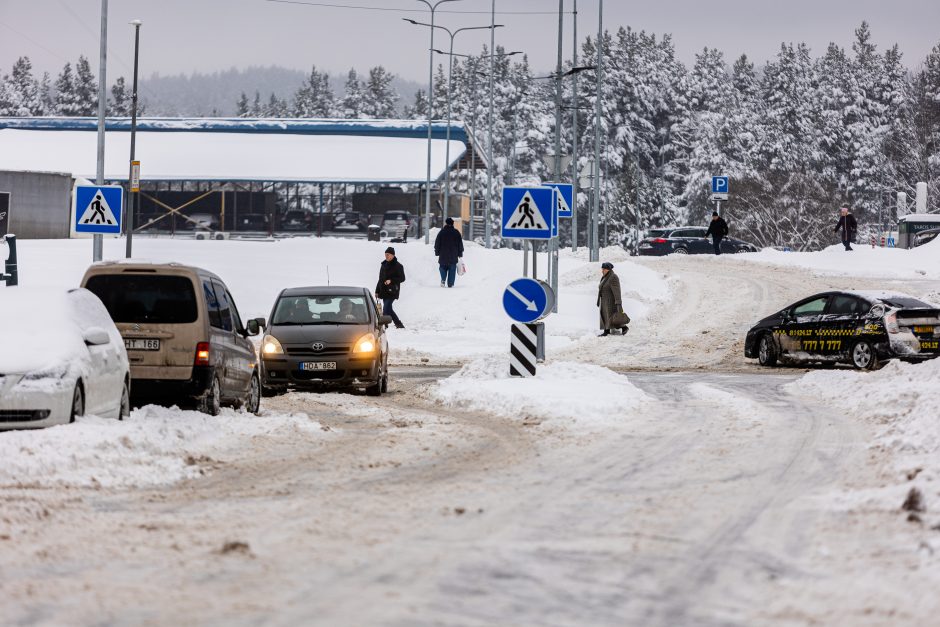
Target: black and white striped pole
(527,301)
(523,349)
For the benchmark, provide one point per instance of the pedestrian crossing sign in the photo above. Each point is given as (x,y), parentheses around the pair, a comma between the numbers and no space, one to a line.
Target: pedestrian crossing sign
(97,210)
(529,212)
(565,198)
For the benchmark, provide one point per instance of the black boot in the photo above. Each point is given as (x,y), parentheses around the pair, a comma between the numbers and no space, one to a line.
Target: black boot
(605,333)
(623,330)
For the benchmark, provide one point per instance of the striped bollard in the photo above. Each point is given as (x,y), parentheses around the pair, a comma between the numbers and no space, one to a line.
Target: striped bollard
(522,350)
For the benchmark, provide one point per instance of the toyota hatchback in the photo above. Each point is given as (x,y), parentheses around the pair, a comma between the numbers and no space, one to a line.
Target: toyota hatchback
(325,337)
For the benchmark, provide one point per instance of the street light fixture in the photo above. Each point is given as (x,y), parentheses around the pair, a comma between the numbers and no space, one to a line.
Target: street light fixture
(133,195)
(427,182)
(450,71)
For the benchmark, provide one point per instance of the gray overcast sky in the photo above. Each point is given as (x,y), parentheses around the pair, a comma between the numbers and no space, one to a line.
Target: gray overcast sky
(207,35)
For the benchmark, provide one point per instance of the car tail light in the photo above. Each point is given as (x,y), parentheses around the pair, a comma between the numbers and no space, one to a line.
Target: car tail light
(658,240)
(891,323)
(202,354)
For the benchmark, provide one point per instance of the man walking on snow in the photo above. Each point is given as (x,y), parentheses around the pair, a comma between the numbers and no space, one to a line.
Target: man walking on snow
(448,246)
(717,229)
(848,226)
(388,288)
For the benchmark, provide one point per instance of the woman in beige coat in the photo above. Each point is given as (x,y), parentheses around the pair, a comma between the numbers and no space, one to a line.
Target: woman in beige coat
(609,300)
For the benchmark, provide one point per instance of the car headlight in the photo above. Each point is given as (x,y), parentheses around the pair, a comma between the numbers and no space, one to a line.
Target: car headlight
(365,344)
(270,346)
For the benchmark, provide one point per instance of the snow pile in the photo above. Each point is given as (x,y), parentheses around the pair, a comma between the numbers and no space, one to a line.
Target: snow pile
(571,393)
(153,446)
(904,400)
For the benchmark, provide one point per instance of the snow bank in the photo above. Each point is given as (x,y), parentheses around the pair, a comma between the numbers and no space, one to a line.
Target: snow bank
(903,400)
(569,393)
(153,446)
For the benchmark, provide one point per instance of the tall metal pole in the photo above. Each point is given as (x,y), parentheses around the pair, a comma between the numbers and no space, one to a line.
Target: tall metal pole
(487,228)
(574,131)
(595,248)
(98,240)
(450,81)
(553,245)
(133,196)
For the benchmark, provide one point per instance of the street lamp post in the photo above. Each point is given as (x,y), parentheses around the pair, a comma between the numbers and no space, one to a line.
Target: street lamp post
(595,211)
(98,240)
(450,70)
(133,195)
(427,183)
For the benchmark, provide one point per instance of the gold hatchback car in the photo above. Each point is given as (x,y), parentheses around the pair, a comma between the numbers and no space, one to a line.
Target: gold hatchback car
(185,340)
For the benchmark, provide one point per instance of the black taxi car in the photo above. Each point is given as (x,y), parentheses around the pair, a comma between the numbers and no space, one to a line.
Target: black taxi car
(860,328)
(688,240)
(325,337)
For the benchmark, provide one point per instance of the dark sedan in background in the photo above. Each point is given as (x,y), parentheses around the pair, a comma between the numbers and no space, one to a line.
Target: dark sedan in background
(325,337)
(860,328)
(688,240)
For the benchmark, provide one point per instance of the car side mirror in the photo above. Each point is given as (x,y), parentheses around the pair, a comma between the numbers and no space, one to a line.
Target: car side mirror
(96,336)
(385,320)
(255,325)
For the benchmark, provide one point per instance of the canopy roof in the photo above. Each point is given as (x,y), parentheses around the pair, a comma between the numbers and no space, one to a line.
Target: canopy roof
(237,149)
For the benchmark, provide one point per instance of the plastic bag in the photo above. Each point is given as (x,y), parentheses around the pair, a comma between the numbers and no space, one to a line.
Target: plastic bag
(461,268)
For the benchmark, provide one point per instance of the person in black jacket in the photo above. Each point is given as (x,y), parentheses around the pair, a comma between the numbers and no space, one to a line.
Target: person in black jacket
(849,227)
(448,246)
(717,229)
(388,287)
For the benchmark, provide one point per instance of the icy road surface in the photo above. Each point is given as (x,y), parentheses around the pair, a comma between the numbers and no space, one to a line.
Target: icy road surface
(713,510)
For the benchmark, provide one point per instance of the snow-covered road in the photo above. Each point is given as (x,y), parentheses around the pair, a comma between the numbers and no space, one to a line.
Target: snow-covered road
(712,510)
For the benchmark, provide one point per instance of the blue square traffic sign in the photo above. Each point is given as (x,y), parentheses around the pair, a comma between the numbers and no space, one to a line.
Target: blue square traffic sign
(565,198)
(97,210)
(720,184)
(529,212)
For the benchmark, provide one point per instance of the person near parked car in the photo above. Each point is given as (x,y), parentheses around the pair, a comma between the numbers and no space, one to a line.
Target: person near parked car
(388,288)
(847,227)
(448,246)
(718,229)
(610,302)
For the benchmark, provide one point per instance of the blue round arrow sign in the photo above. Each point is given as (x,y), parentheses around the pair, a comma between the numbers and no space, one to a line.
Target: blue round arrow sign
(525,300)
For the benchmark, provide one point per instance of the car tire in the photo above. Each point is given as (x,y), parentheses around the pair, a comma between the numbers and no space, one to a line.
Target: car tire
(211,401)
(863,356)
(253,399)
(78,402)
(125,409)
(767,351)
(680,251)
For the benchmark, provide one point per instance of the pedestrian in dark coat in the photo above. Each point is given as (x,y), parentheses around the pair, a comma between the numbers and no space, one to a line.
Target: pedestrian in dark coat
(718,229)
(848,227)
(609,300)
(388,287)
(448,246)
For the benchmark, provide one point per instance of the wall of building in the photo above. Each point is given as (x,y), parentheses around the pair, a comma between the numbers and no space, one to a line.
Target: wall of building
(40,203)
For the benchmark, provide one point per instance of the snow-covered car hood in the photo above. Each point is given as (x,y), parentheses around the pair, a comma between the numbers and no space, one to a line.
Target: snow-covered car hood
(38,331)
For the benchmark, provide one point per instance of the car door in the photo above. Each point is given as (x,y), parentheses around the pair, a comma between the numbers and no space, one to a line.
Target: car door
(839,324)
(231,386)
(243,351)
(801,328)
(698,243)
(104,379)
(218,334)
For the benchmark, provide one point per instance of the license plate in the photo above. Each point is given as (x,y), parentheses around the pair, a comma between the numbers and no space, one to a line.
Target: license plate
(923,329)
(930,346)
(318,365)
(142,345)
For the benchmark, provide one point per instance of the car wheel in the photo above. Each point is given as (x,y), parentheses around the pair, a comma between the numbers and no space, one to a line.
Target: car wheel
(742,249)
(680,251)
(211,401)
(864,356)
(78,402)
(125,400)
(253,400)
(767,351)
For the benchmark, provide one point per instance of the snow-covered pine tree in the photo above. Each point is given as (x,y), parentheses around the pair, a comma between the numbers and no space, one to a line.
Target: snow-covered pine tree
(315,98)
(66,94)
(25,89)
(86,88)
(8,106)
(351,105)
(242,108)
(120,103)
(257,109)
(379,98)
(276,108)
(419,109)
(45,94)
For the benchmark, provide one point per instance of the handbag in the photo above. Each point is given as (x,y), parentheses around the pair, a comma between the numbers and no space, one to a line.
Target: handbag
(461,268)
(619,318)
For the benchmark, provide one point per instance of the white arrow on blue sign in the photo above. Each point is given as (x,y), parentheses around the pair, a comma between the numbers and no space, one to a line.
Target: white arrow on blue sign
(527,300)
(97,210)
(565,198)
(528,212)
(720,184)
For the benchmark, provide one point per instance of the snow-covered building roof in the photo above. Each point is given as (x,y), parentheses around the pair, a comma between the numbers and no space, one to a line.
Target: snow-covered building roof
(237,149)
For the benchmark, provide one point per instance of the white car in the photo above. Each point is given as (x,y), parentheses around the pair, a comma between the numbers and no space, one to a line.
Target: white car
(60,357)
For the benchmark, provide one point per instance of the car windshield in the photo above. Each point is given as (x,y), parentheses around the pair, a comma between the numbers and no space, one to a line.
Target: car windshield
(321,310)
(153,298)
(658,232)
